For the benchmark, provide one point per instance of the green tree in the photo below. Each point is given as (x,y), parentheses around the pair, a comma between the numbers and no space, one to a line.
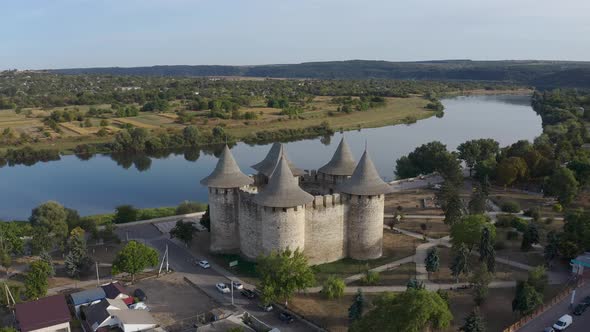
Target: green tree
(36,283)
(41,240)
(469,231)
(125,213)
(450,202)
(432,260)
(487,253)
(77,262)
(563,185)
(460,262)
(7,329)
(510,170)
(477,203)
(183,231)
(46,257)
(134,258)
(415,310)
(538,279)
(526,299)
(529,237)
(476,151)
(205,220)
(480,280)
(11,243)
(51,217)
(356,309)
(415,284)
(191,135)
(282,274)
(474,322)
(333,287)
(551,250)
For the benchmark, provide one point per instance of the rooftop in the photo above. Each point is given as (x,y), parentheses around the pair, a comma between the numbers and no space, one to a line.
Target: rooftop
(88,296)
(269,163)
(45,312)
(342,163)
(365,180)
(113,289)
(227,174)
(283,189)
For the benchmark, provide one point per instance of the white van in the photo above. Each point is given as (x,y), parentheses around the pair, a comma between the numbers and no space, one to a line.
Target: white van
(563,323)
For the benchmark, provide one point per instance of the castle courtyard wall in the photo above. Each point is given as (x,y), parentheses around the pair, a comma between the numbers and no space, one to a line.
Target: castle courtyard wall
(325,229)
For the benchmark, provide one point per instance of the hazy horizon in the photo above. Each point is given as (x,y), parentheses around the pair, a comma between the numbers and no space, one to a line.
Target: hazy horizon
(84,33)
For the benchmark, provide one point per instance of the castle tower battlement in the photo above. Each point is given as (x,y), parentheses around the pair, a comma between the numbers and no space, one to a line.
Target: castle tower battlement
(270,211)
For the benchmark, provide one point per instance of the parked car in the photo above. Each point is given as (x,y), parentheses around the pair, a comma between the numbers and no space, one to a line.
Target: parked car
(265,307)
(138,293)
(586,301)
(548,329)
(286,317)
(580,308)
(139,306)
(222,287)
(204,264)
(248,293)
(237,285)
(563,323)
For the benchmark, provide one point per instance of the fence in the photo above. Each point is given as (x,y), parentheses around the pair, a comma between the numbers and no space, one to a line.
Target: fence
(558,298)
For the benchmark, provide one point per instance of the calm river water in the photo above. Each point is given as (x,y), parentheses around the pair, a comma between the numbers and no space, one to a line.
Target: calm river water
(99,184)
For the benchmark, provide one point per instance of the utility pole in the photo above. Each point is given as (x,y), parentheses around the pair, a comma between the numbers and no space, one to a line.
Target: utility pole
(231,285)
(97,275)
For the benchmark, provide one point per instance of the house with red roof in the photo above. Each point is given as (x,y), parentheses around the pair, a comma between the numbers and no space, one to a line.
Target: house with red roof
(49,314)
(115,290)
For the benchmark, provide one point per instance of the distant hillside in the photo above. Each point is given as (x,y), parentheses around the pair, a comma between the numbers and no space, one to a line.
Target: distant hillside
(537,73)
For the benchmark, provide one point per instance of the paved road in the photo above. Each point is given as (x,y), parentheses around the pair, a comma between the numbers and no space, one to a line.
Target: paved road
(548,318)
(182,261)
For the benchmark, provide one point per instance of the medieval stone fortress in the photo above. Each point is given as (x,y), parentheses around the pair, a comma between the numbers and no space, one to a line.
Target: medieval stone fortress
(329,214)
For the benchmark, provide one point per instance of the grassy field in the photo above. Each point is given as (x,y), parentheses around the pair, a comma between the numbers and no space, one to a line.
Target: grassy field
(30,121)
(395,246)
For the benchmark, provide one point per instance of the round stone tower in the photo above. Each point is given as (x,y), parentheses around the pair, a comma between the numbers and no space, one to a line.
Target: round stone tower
(282,210)
(339,168)
(365,193)
(269,163)
(224,183)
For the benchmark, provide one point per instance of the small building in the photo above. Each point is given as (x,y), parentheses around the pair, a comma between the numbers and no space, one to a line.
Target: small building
(579,263)
(134,320)
(49,314)
(87,297)
(114,313)
(231,322)
(115,290)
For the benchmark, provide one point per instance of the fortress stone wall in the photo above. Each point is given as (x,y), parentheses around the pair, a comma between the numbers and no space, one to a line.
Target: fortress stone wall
(326,214)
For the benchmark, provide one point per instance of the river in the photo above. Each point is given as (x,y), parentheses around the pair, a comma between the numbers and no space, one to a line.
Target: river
(99,184)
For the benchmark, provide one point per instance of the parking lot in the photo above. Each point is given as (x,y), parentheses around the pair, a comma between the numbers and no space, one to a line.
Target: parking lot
(172,300)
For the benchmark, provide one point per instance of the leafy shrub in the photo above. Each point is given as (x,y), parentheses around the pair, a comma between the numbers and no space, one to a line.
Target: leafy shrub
(557,207)
(549,221)
(190,207)
(519,224)
(510,207)
(534,213)
(125,213)
(370,278)
(333,287)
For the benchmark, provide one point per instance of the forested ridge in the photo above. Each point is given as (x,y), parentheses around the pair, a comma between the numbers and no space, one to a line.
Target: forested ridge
(538,73)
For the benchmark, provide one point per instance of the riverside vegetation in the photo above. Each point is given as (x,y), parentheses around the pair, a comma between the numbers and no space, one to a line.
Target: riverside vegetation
(45,115)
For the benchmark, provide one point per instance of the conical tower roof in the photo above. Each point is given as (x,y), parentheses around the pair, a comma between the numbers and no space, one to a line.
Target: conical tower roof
(282,189)
(342,163)
(268,164)
(227,174)
(365,180)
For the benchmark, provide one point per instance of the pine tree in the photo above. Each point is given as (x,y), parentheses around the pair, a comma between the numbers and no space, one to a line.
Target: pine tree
(46,257)
(355,311)
(432,260)
(415,284)
(529,237)
(551,250)
(477,204)
(487,253)
(460,262)
(474,322)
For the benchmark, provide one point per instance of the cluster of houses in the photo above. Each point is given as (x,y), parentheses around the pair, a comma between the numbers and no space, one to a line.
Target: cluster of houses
(102,309)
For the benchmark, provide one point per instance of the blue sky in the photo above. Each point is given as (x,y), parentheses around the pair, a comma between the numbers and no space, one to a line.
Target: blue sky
(96,33)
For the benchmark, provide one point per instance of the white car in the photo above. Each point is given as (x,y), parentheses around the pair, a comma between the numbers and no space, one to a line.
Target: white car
(204,264)
(139,306)
(222,288)
(563,323)
(237,285)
